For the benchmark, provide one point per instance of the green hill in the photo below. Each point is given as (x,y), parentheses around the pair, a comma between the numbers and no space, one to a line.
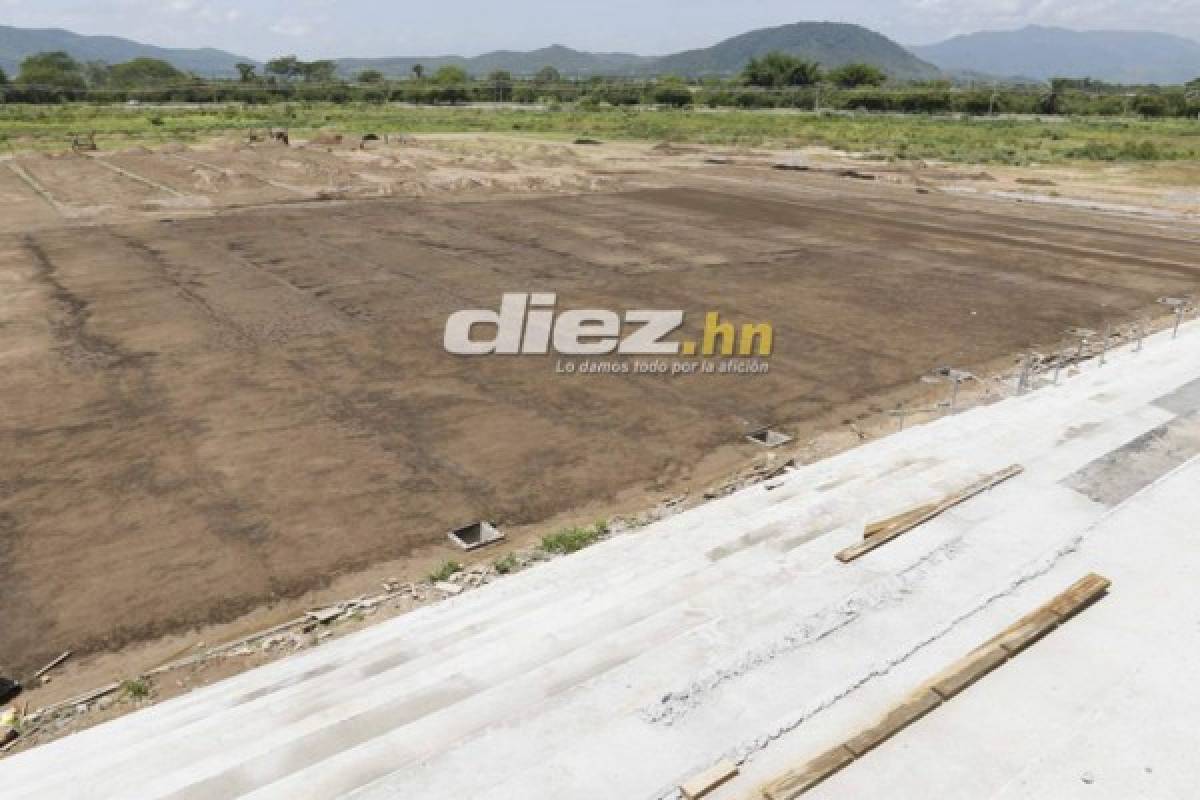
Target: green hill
(830,43)
(17,43)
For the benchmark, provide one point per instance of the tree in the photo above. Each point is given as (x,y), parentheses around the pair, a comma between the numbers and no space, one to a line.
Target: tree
(289,67)
(418,71)
(547,74)
(1051,102)
(451,82)
(502,83)
(318,71)
(95,74)
(853,75)
(3,77)
(777,69)
(56,69)
(450,75)
(246,72)
(671,90)
(370,76)
(285,67)
(143,72)
(1150,106)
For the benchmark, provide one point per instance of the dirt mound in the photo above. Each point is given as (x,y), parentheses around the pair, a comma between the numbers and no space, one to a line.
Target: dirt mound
(334,139)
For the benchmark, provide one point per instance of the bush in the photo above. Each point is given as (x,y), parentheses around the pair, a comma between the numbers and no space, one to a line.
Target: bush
(572,540)
(508,564)
(135,688)
(444,572)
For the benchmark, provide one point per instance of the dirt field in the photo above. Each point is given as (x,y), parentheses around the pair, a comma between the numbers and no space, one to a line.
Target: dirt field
(224,381)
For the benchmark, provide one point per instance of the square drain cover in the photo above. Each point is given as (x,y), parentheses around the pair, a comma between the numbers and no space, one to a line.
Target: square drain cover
(769,438)
(479,534)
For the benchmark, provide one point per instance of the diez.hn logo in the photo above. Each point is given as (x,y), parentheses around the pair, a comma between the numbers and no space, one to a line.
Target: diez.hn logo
(529,324)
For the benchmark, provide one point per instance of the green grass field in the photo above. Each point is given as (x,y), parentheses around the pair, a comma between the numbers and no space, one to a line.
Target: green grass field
(973,140)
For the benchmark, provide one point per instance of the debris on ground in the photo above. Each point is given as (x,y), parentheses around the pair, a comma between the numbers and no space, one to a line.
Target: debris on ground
(327,138)
(9,689)
(324,616)
(764,471)
(43,673)
(8,735)
(85,143)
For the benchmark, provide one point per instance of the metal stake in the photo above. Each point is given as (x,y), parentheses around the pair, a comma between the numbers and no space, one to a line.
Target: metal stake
(1023,380)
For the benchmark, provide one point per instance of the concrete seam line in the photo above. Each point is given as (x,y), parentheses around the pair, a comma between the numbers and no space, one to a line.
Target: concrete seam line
(933,693)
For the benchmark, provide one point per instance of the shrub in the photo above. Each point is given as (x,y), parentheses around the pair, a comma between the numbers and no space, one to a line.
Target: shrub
(135,688)
(507,564)
(445,571)
(572,540)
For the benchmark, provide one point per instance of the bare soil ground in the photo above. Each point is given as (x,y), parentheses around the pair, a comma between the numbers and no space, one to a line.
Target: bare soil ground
(224,383)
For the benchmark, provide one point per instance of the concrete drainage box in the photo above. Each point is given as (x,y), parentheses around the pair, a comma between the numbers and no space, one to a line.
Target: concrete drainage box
(768,438)
(472,537)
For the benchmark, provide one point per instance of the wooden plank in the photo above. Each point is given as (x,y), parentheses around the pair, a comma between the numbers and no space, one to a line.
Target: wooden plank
(950,682)
(1028,630)
(912,517)
(966,671)
(1081,595)
(1044,619)
(880,533)
(793,784)
(708,781)
(896,720)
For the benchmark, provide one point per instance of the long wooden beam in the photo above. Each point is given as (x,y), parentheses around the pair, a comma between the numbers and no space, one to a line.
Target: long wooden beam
(880,533)
(937,690)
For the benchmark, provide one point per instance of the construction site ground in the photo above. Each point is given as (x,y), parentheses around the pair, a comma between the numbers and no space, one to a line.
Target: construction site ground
(731,636)
(226,399)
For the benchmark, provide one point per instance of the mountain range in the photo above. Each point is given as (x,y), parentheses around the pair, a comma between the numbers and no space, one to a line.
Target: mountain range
(1132,57)
(17,43)
(831,43)
(1033,52)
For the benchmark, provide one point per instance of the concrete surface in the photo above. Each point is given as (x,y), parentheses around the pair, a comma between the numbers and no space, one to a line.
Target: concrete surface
(730,631)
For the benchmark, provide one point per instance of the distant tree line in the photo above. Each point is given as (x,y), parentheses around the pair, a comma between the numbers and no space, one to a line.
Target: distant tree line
(775,80)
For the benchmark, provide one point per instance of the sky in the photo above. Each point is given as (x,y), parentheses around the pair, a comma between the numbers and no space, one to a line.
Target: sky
(332,28)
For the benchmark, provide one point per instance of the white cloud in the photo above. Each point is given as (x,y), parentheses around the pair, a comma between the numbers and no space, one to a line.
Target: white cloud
(292,27)
(962,16)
